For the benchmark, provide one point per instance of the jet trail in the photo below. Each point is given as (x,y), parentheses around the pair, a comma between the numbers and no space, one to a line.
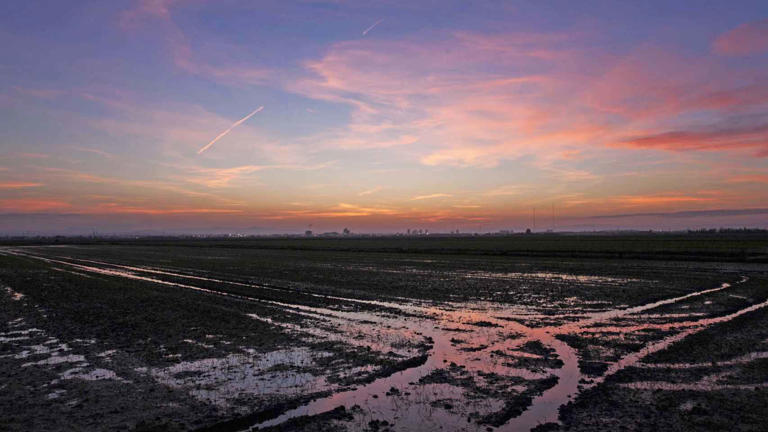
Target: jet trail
(236,124)
(365,32)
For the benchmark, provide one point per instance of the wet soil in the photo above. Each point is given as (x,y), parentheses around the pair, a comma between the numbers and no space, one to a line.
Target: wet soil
(232,339)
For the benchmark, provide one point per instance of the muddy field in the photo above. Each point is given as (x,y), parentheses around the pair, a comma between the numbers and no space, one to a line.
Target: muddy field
(238,337)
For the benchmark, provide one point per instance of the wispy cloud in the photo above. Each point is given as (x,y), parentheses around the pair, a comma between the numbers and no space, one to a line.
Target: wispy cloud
(221,177)
(18,185)
(691,213)
(341,210)
(94,151)
(234,125)
(159,9)
(119,208)
(716,138)
(22,205)
(526,116)
(431,196)
(433,100)
(126,188)
(232,73)
(662,199)
(506,190)
(371,191)
(753,178)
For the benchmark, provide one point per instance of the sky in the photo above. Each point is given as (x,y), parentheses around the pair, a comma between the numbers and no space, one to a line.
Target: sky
(171,116)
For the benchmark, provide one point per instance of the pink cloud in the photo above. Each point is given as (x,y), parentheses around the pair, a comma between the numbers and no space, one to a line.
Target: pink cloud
(652,84)
(455,98)
(746,39)
(475,100)
(32,205)
(730,138)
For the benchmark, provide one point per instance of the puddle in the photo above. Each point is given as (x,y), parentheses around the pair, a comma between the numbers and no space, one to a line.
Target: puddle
(92,374)
(732,362)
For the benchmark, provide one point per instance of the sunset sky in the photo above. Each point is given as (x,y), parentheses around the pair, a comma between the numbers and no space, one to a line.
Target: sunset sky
(269,116)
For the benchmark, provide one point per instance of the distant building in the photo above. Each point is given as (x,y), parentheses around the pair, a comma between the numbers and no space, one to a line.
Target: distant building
(308,233)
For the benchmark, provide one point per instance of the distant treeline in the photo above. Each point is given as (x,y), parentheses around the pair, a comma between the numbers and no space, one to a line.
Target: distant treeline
(727,230)
(727,245)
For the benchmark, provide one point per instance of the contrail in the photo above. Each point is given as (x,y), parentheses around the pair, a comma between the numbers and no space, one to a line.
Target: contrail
(365,32)
(236,124)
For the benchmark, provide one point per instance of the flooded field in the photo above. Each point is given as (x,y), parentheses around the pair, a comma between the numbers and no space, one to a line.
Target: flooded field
(174,337)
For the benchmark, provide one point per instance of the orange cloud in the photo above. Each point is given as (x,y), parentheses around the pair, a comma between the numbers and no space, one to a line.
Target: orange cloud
(653,200)
(216,178)
(128,188)
(755,178)
(342,210)
(506,190)
(371,191)
(18,185)
(221,177)
(108,208)
(430,196)
(746,39)
(571,154)
(32,205)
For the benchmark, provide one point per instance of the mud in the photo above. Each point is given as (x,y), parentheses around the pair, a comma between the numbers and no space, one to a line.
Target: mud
(461,361)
